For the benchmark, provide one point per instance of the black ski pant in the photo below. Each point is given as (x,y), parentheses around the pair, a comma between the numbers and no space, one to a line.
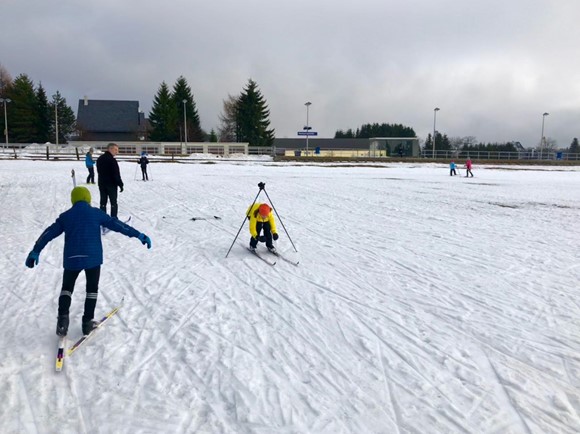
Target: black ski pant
(265,226)
(468,172)
(452,172)
(109,192)
(91,177)
(69,278)
(144,173)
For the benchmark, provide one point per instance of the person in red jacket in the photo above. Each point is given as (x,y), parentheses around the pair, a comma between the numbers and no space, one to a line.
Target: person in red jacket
(468,167)
(262,219)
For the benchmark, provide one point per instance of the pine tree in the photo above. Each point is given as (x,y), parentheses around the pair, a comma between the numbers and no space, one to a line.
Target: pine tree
(43,116)
(213,138)
(66,118)
(23,123)
(574,146)
(182,92)
(163,117)
(252,117)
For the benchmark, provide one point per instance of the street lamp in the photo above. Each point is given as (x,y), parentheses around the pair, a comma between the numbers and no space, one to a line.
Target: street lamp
(542,139)
(56,121)
(307,127)
(434,122)
(5,101)
(185,122)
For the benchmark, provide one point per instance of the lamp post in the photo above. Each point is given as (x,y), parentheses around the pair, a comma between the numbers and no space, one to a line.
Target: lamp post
(434,122)
(185,122)
(56,121)
(5,101)
(542,139)
(307,127)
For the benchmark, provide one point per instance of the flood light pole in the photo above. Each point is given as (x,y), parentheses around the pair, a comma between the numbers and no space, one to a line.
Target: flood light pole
(434,122)
(185,122)
(5,101)
(307,127)
(542,139)
(56,121)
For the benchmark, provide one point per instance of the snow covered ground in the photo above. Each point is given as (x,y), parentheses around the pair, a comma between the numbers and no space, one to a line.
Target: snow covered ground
(423,303)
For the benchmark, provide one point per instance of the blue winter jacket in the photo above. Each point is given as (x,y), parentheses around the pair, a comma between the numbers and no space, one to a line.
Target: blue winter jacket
(89,162)
(81,225)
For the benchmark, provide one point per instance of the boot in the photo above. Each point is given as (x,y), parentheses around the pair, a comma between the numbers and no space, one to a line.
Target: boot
(62,325)
(273,250)
(89,326)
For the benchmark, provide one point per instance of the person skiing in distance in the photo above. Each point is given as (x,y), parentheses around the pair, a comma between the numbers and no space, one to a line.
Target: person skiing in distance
(452,170)
(89,162)
(83,250)
(262,219)
(109,178)
(468,168)
(143,162)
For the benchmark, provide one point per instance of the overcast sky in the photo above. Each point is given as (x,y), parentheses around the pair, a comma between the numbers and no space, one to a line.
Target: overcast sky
(493,67)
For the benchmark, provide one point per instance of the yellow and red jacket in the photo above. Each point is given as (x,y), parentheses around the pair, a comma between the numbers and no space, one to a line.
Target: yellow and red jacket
(255,217)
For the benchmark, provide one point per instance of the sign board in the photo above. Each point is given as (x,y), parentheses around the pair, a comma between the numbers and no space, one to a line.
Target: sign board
(307,133)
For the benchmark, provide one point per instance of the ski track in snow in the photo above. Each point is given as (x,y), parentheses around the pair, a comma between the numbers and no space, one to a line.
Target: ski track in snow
(422,303)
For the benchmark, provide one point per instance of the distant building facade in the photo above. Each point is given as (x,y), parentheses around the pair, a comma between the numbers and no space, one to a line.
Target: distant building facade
(373,147)
(110,120)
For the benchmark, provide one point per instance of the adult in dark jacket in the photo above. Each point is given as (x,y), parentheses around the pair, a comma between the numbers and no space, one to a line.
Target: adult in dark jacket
(83,250)
(109,178)
(143,162)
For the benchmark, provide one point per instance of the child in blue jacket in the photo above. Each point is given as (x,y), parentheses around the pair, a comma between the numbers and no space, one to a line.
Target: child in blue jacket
(90,163)
(83,250)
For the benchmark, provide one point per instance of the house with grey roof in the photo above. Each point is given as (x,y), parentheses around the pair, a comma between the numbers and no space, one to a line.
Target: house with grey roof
(110,120)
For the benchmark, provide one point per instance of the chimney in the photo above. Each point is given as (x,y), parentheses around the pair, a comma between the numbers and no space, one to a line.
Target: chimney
(86,100)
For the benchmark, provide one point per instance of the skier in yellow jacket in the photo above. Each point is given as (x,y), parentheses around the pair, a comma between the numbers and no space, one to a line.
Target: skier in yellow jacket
(262,219)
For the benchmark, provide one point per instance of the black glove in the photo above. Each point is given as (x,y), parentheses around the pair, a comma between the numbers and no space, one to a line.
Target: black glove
(275,236)
(32,259)
(121,188)
(261,185)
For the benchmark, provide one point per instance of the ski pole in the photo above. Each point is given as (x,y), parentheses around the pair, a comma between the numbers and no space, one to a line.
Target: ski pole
(280,219)
(135,175)
(261,185)
(74,179)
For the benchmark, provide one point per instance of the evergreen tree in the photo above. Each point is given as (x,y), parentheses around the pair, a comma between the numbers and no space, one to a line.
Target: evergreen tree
(163,117)
(182,92)
(574,146)
(213,138)
(43,116)
(66,118)
(23,123)
(367,131)
(252,117)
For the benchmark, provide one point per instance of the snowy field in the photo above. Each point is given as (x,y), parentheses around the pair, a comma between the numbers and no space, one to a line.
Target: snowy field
(423,303)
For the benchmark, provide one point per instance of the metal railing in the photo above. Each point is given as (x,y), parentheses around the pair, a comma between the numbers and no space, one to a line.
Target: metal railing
(500,155)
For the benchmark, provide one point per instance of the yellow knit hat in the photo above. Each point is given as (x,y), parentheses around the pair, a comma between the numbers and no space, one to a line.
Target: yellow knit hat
(80,193)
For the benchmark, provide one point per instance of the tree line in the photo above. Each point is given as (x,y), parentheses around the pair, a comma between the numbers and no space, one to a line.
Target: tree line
(174,117)
(245,117)
(32,118)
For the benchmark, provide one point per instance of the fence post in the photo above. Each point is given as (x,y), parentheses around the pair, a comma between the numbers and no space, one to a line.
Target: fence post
(47,154)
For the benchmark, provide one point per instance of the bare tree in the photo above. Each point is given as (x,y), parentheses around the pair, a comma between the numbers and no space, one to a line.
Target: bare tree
(5,79)
(227,127)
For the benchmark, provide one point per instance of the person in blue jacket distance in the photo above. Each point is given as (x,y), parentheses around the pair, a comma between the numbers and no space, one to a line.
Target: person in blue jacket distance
(452,171)
(90,163)
(83,250)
